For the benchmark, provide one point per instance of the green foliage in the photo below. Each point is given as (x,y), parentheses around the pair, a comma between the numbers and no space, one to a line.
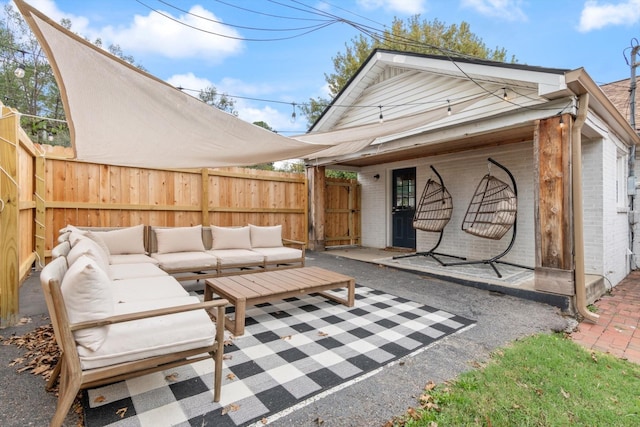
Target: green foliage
(210,95)
(331,173)
(36,95)
(413,35)
(543,380)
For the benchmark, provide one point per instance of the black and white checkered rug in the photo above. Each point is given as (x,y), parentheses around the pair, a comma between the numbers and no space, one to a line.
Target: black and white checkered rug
(293,352)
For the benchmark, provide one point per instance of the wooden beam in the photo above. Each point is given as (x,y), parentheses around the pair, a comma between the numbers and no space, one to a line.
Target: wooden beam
(317,182)
(553,219)
(9,227)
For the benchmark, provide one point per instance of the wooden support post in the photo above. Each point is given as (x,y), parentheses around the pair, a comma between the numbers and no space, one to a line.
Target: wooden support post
(553,219)
(316,178)
(9,206)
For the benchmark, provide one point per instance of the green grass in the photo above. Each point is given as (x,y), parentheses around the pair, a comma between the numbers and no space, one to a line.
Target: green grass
(543,380)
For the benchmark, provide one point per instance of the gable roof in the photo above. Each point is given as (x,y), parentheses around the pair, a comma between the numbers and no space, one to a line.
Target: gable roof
(433,104)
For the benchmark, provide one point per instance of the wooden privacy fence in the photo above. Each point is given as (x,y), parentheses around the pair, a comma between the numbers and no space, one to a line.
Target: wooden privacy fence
(88,194)
(42,190)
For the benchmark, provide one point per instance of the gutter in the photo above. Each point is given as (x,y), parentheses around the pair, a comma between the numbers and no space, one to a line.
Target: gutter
(578,217)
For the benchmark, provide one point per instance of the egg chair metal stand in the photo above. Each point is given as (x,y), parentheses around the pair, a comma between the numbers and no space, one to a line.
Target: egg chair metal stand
(433,214)
(492,212)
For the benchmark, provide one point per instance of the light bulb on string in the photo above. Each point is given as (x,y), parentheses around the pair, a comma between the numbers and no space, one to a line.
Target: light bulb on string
(505,96)
(448,108)
(381,118)
(20,69)
(293,114)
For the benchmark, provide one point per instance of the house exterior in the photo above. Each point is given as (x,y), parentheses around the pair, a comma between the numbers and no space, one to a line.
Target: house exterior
(555,130)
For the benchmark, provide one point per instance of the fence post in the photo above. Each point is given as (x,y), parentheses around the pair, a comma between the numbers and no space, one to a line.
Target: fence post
(40,215)
(9,205)
(204,197)
(316,177)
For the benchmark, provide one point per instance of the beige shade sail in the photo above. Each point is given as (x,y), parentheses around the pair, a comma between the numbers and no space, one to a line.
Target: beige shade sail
(120,115)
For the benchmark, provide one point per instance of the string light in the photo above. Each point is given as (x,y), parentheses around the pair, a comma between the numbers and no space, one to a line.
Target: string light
(293,115)
(381,119)
(448,108)
(505,96)
(561,121)
(20,69)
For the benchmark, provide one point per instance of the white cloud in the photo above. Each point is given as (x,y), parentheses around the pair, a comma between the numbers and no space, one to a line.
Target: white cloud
(409,7)
(509,10)
(177,36)
(189,81)
(278,119)
(50,9)
(595,16)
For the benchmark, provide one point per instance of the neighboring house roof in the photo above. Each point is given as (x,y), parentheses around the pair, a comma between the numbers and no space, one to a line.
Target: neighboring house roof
(620,95)
(415,94)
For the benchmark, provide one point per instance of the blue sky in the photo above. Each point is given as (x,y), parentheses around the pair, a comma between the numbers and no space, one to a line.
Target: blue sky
(175,40)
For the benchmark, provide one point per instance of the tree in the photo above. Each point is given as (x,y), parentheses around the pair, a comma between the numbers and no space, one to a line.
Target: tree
(35,94)
(210,96)
(269,166)
(413,35)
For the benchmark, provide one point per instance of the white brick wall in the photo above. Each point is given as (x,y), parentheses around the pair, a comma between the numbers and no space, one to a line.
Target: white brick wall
(605,228)
(461,175)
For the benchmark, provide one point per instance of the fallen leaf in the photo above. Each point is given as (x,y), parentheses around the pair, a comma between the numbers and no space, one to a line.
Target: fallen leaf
(430,386)
(593,357)
(564,393)
(227,357)
(413,413)
(230,408)
(264,421)
(121,412)
(539,392)
(24,321)
(323,334)
(172,377)
(286,337)
(231,376)
(319,421)
(99,399)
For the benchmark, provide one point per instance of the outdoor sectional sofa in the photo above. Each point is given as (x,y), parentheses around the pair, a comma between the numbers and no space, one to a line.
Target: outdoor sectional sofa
(198,252)
(116,321)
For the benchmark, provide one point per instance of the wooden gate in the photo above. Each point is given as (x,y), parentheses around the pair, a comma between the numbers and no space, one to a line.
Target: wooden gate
(342,212)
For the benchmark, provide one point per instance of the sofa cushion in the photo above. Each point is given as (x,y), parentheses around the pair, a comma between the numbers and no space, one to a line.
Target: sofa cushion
(230,237)
(186,260)
(133,271)
(237,257)
(153,336)
(179,239)
(147,288)
(266,237)
(280,254)
(132,259)
(128,240)
(88,295)
(91,249)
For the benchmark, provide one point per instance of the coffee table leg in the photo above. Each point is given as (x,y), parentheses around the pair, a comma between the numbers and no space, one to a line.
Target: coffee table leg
(238,327)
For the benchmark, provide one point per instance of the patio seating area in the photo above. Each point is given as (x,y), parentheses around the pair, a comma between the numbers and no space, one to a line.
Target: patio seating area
(390,390)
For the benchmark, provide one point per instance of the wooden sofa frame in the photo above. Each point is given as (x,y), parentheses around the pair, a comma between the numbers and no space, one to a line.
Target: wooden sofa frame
(72,378)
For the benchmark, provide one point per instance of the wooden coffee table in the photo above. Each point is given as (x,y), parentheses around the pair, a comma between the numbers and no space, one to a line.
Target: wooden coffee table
(254,288)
